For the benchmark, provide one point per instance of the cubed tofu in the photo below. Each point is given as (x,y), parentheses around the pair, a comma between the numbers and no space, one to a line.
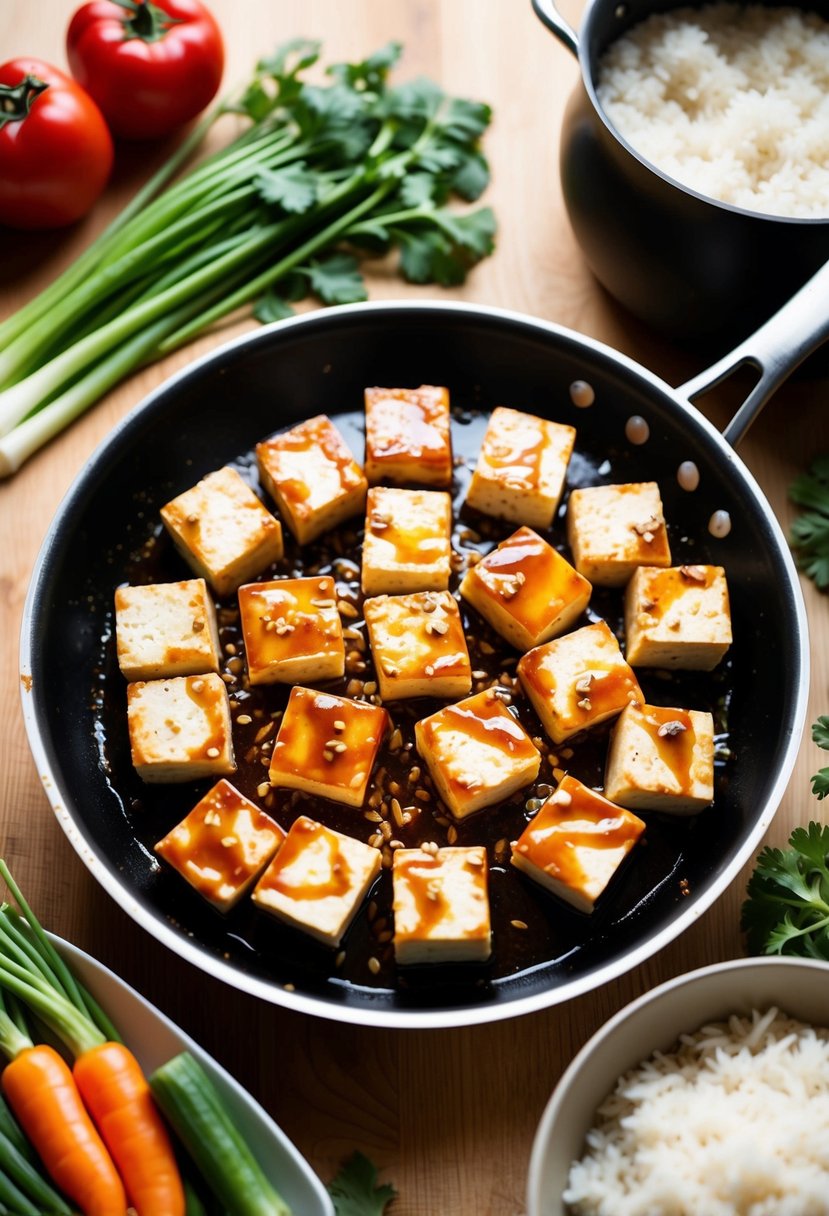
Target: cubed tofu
(611,530)
(180,728)
(407,436)
(418,645)
(526,590)
(292,630)
(222,530)
(407,541)
(521,469)
(441,906)
(578,681)
(576,843)
(327,745)
(661,760)
(222,846)
(477,753)
(312,477)
(679,617)
(166,629)
(318,880)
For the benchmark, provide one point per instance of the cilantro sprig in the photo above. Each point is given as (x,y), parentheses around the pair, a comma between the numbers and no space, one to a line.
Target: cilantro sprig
(355,1191)
(787,909)
(810,531)
(320,176)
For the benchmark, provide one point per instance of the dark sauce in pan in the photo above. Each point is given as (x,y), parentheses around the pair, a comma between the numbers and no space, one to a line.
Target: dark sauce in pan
(530,927)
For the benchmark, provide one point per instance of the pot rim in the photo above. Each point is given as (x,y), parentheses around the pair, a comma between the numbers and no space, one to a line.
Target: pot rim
(365,1014)
(587,77)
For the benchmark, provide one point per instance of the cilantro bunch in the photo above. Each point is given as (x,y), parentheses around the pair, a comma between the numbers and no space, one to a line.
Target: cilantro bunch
(320,176)
(355,1191)
(810,531)
(787,909)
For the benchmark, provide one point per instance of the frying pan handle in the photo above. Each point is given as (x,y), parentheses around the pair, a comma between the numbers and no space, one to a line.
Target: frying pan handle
(549,15)
(775,350)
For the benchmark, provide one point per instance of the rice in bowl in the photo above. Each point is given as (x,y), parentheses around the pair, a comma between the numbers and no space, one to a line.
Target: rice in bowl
(733,1122)
(730,100)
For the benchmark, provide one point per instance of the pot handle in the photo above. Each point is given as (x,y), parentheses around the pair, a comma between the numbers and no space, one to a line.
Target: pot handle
(549,15)
(775,350)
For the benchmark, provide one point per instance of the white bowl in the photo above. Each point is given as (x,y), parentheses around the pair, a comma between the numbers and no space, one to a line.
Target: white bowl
(654,1022)
(154,1039)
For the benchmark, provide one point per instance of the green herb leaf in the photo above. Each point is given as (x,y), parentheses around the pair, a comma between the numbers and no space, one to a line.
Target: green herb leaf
(294,188)
(820,783)
(272,307)
(787,909)
(465,121)
(355,1191)
(371,73)
(291,58)
(471,177)
(474,231)
(820,732)
(417,189)
(810,532)
(337,280)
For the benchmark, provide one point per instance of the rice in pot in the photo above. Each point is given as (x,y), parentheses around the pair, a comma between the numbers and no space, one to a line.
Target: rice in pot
(730,100)
(733,1122)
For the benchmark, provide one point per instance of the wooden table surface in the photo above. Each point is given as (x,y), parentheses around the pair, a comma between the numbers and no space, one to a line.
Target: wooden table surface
(448,1116)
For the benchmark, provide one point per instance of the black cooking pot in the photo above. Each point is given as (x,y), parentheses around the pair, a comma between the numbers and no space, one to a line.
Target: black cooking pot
(224,403)
(702,271)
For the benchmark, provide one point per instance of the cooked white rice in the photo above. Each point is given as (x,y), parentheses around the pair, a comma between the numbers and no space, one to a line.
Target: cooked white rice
(734,1122)
(732,101)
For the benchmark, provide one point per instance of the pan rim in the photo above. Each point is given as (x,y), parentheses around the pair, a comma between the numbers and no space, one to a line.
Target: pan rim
(365,1013)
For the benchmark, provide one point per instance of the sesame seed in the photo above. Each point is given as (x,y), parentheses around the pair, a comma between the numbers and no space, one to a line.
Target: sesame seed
(228,842)
(452,834)
(263,788)
(340,959)
(197,685)
(374,965)
(213,819)
(244,719)
(347,610)
(213,752)
(519,924)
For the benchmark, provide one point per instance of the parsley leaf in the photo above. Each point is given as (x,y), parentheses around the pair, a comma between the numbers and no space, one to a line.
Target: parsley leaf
(272,307)
(337,280)
(787,909)
(820,736)
(294,188)
(810,532)
(370,73)
(355,1191)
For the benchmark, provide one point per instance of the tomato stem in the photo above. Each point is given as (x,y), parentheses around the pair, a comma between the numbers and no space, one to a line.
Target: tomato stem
(16,100)
(146,21)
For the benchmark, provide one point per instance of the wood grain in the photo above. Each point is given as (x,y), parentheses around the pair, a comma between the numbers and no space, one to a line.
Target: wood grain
(449,1116)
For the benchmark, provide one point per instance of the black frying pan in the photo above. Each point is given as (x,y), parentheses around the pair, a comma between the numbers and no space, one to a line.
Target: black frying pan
(217,409)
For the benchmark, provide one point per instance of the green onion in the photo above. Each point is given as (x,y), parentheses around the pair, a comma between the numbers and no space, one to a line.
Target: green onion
(318,175)
(189,1100)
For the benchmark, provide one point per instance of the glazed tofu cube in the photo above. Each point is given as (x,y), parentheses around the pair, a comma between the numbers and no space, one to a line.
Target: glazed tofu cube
(521,468)
(222,530)
(661,760)
(526,590)
(576,843)
(578,681)
(407,436)
(327,745)
(292,630)
(180,728)
(477,753)
(441,906)
(418,645)
(312,477)
(611,530)
(222,846)
(166,629)
(318,880)
(678,617)
(407,541)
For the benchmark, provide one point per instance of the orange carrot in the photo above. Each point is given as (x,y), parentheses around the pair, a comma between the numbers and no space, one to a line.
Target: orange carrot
(45,1098)
(118,1097)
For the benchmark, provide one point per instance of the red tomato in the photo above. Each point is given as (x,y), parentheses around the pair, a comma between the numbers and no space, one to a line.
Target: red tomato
(150,66)
(55,149)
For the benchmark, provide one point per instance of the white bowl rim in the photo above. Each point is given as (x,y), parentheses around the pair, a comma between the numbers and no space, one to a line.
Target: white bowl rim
(609,1028)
